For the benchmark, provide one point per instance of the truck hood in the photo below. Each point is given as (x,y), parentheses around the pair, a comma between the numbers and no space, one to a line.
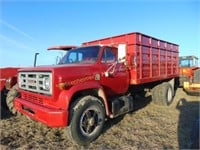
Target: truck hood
(56,67)
(67,72)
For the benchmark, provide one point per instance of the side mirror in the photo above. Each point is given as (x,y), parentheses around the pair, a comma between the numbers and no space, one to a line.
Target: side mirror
(121,52)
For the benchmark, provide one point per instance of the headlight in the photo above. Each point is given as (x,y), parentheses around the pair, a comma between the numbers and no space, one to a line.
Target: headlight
(46,83)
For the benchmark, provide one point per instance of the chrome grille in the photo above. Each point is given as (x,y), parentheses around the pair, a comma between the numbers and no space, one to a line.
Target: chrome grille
(35,82)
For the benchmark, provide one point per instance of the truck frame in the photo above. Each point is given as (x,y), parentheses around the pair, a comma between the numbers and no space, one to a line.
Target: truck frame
(98,80)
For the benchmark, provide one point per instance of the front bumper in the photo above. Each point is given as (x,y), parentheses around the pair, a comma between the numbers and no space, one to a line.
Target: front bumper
(50,116)
(192,88)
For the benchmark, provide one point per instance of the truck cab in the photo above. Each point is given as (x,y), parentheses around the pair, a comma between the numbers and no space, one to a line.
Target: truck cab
(87,74)
(101,62)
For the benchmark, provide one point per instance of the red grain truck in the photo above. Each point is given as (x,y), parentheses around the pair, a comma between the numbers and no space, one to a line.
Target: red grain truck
(97,81)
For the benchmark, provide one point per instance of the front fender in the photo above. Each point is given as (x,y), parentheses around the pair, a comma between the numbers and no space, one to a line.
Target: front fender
(65,96)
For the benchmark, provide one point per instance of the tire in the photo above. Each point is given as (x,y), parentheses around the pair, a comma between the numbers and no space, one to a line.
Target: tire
(163,94)
(196,76)
(168,94)
(87,118)
(10,100)
(155,94)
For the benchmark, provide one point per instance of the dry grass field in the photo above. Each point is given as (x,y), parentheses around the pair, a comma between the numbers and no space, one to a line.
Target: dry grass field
(148,127)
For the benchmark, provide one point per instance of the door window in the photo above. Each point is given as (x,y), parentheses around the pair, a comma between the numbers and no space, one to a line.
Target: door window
(108,56)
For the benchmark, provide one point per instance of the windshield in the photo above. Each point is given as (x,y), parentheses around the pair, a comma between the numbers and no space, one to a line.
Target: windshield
(81,55)
(188,62)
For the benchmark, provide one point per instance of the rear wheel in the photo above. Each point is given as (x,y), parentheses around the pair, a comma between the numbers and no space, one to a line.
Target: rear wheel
(169,94)
(87,118)
(163,94)
(155,94)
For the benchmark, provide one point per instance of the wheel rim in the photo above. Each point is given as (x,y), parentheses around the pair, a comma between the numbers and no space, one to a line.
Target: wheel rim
(90,121)
(169,95)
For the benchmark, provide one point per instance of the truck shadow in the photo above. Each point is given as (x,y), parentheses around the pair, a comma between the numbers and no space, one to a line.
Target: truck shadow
(188,131)
(139,103)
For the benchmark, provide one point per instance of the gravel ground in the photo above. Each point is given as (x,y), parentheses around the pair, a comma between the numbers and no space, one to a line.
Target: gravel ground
(148,127)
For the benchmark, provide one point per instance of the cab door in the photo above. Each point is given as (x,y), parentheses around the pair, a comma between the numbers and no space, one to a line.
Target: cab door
(115,77)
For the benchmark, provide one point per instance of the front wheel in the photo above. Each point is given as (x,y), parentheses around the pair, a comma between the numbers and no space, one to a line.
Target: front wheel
(86,120)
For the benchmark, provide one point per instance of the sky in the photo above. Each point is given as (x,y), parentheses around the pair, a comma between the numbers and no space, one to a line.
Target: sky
(29,27)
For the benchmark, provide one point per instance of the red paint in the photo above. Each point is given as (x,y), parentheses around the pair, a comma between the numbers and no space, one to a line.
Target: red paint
(8,78)
(155,59)
(51,116)
(6,73)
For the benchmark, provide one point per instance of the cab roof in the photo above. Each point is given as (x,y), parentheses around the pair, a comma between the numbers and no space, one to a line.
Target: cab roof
(62,47)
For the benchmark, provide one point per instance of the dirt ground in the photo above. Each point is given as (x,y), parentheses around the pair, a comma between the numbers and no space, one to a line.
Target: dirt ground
(148,127)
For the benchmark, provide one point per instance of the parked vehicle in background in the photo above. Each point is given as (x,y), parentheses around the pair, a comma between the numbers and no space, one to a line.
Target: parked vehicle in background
(98,80)
(189,74)
(8,78)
